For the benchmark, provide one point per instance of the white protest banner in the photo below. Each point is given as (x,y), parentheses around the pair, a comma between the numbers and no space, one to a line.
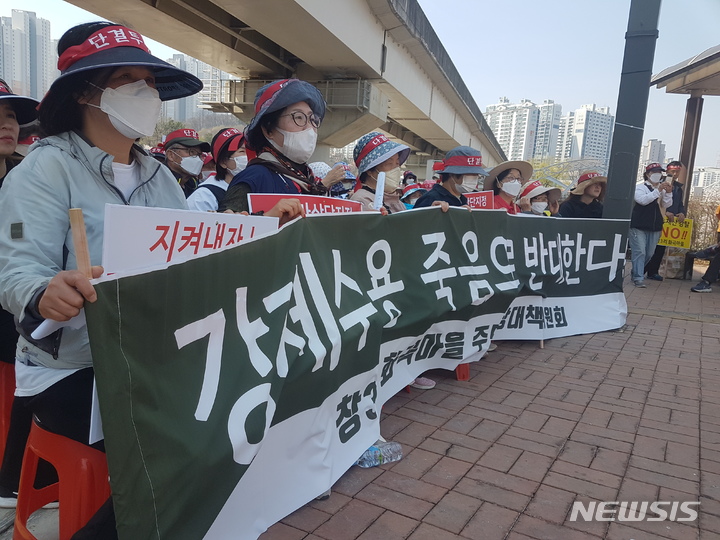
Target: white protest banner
(140,237)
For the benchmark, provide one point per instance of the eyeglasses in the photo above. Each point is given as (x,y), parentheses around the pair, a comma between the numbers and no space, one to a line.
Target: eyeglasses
(511,178)
(183,152)
(301,119)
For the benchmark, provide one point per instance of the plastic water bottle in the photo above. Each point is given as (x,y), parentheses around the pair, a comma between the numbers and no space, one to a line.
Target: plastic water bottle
(379,453)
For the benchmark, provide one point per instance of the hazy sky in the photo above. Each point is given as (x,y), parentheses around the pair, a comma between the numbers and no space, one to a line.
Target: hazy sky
(569,51)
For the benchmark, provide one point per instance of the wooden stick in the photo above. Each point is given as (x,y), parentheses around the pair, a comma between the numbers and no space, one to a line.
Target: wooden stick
(82,254)
(542,343)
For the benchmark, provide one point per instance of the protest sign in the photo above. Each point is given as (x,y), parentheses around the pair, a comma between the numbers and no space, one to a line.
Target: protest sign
(142,237)
(314,204)
(232,394)
(676,233)
(482,200)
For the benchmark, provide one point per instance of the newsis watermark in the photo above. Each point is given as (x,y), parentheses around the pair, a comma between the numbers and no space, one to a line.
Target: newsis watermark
(634,511)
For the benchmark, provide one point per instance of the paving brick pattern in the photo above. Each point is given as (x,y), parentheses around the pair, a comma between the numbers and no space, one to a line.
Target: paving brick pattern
(632,414)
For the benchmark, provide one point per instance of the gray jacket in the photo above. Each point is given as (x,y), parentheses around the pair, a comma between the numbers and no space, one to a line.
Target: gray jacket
(62,172)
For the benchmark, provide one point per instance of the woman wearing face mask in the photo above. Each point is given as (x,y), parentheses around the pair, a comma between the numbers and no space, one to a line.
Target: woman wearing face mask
(283,134)
(539,200)
(462,165)
(646,221)
(375,153)
(228,151)
(411,193)
(585,200)
(506,181)
(104,99)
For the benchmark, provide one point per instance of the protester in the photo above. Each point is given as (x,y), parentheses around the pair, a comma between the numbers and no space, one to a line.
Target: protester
(375,153)
(329,176)
(717,216)
(102,102)
(646,221)
(539,200)
(408,178)
(585,200)
(283,134)
(230,159)
(208,167)
(676,174)
(411,194)
(346,186)
(461,165)
(184,156)
(14,111)
(506,181)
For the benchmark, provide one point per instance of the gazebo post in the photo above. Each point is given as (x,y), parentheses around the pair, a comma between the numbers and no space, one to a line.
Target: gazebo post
(688,145)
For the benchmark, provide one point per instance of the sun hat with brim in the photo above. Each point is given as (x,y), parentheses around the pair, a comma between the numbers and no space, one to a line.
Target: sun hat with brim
(375,148)
(410,189)
(463,160)
(185,137)
(25,108)
(319,169)
(526,170)
(277,95)
(535,188)
(588,179)
(230,139)
(117,46)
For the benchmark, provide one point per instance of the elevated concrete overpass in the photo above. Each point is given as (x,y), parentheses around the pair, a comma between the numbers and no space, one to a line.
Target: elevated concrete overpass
(378,63)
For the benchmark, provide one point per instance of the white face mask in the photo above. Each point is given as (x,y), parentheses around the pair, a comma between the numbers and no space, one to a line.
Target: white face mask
(192,165)
(512,187)
(133,108)
(240,164)
(656,177)
(538,207)
(206,174)
(298,145)
(392,179)
(470,182)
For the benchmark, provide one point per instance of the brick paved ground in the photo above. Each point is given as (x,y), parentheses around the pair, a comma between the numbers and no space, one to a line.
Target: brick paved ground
(629,415)
(618,416)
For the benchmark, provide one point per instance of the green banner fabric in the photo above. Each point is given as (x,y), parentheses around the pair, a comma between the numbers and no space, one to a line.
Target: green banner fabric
(237,386)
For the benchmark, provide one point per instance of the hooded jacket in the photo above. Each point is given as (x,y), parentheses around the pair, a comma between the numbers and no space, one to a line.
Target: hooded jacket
(62,172)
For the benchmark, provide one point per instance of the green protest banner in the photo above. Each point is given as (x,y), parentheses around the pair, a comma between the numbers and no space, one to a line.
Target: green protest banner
(237,386)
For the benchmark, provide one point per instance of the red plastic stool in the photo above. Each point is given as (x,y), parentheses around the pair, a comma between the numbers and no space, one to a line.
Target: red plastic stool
(82,487)
(7,393)
(462,372)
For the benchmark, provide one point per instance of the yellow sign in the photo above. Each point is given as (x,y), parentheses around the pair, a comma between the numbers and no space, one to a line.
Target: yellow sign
(676,233)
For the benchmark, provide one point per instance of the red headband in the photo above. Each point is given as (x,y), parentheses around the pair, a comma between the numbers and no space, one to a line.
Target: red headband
(530,187)
(463,161)
(108,37)
(269,94)
(588,176)
(371,145)
(236,138)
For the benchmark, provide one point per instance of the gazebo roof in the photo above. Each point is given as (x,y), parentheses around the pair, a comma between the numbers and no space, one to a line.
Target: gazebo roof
(699,75)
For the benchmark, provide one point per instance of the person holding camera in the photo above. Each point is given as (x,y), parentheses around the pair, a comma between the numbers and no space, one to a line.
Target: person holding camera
(646,222)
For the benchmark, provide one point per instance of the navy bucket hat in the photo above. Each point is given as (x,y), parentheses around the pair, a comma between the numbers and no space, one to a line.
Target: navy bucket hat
(116,46)
(25,108)
(463,160)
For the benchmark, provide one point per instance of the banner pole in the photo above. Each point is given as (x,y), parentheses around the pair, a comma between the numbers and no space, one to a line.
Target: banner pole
(82,253)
